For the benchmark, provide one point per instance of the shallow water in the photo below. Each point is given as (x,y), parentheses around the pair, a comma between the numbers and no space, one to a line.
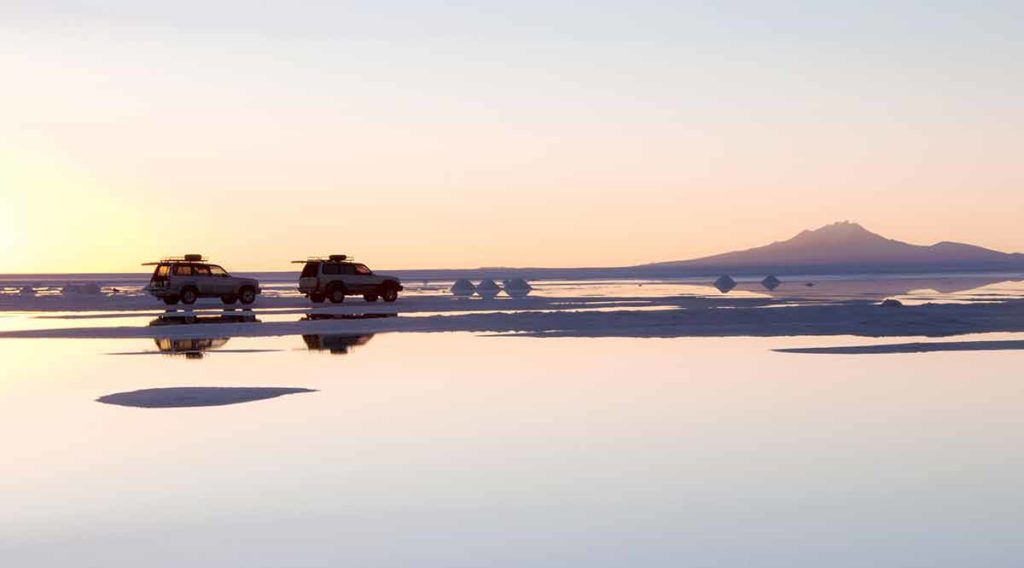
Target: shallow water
(457,450)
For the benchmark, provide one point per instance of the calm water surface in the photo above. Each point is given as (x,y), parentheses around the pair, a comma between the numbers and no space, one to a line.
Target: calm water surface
(460,450)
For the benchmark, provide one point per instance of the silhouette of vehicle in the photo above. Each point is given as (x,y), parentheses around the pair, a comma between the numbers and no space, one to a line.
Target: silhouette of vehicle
(190,277)
(336,276)
(335,344)
(191,348)
(179,316)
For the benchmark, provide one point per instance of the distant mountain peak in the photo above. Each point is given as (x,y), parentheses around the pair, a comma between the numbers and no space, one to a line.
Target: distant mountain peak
(847,246)
(839,229)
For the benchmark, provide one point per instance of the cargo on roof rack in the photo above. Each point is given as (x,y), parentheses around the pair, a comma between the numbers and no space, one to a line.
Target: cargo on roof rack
(329,258)
(171,259)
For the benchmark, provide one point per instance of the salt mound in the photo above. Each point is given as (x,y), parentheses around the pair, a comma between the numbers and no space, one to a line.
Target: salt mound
(725,284)
(770,282)
(463,288)
(487,289)
(517,287)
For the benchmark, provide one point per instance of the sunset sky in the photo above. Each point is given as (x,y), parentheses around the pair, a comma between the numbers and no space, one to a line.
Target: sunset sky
(460,134)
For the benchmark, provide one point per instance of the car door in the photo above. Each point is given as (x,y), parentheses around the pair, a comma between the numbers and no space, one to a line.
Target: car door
(363,278)
(181,276)
(221,282)
(204,282)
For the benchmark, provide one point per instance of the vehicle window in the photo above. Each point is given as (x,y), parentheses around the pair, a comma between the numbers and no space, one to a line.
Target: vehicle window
(348,269)
(362,269)
(331,268)
(309,271)
(201,270)
(218,271)
(161,272)
(182,270)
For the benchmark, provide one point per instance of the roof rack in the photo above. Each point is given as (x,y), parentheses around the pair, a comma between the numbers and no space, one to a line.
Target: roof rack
(185,258)
(329,258)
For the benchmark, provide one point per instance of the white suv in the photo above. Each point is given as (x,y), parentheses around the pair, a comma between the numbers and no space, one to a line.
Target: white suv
(190,277)
(336,276)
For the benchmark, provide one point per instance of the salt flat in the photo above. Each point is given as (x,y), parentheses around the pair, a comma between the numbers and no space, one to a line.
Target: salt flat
(577,309)
(506,451)
(596,423)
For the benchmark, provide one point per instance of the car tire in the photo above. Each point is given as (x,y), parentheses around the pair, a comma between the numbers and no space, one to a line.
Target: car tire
(170,300)
(336,294)
(229,300)
(317,298)
(189,296)
(247,295)
(370,297)
(389,293)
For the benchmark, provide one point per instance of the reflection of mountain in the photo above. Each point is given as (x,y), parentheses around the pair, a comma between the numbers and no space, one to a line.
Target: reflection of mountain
(184,397)
(335,344)
(846,248)
(191,348)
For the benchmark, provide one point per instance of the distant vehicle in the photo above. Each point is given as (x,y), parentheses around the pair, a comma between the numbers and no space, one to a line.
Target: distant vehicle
(336,276)
(190,277)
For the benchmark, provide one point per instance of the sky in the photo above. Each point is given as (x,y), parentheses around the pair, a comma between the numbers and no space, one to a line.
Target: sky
(532,133)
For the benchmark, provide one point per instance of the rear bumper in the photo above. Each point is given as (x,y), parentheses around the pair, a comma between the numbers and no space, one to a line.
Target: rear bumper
(159,291)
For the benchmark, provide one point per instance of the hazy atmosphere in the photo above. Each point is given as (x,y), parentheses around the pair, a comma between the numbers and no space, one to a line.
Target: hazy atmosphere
(527,284)
(461,134)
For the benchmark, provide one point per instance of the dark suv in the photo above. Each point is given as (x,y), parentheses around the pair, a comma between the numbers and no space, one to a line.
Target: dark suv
(190,277)
(336,276)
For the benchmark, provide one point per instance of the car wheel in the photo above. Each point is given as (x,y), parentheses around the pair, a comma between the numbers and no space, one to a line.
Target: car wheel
(336,294)
(247,295)
(370,297)
(170,300)
(317,298)
(390,293)
(228,299)
(189,296)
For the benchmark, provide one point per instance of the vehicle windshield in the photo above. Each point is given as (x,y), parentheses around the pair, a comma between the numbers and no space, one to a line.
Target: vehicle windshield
(218,271)
(309,271)
(362,269)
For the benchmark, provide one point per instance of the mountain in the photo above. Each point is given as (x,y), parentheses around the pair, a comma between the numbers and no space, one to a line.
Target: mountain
(844,248)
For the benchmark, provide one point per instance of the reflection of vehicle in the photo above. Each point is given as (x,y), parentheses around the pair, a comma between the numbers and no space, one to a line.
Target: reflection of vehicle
(191,348)
(336,344)
(188,278)
(187,317)
(336,276)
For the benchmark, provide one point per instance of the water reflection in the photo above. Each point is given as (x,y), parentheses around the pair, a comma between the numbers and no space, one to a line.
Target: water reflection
(191,348)
(335,344)
(189,317)
(316,316)
(186,397)
(919,347)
